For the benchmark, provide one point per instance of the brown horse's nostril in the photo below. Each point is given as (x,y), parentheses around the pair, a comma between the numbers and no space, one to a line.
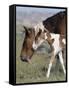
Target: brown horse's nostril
(25,59)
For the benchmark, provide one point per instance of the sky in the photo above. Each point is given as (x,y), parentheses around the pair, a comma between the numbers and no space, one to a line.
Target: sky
(35,9)
(34,15)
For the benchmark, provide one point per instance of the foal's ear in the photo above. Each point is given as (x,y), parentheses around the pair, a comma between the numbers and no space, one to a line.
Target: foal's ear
(46,30)
(40,31)
(52,40)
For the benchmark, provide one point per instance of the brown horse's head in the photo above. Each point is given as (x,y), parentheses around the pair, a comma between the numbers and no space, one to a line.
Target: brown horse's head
(27,51)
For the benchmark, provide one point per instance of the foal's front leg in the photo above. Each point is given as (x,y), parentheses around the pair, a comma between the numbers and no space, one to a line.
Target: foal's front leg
(50,64)
(61,61)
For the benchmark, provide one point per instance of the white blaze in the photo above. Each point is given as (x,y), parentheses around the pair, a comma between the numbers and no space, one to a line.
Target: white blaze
(36,45)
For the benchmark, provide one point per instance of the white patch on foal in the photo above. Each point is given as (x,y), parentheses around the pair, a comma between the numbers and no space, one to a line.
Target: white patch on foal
(41,26)
(57,50)
(56,43)
(64,41)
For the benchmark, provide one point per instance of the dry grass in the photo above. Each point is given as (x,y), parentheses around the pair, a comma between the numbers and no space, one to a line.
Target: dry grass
(37,70)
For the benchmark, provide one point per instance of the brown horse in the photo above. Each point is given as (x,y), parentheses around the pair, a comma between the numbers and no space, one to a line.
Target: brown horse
(27,51)
(54,24)
(57,23)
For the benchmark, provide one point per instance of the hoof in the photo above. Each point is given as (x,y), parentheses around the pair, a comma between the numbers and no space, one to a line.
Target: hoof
(47,75)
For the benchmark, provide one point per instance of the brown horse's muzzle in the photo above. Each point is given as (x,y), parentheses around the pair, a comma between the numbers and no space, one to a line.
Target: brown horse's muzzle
(25,58)
(27,51)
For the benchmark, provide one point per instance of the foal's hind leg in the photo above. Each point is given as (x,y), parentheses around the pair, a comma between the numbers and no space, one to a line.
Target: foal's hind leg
(50,65)
(61,61)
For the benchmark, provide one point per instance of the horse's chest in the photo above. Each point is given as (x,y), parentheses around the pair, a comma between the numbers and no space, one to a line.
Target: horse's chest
(56,45)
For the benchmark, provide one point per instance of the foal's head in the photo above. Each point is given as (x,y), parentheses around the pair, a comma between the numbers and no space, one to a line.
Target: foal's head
(41,37)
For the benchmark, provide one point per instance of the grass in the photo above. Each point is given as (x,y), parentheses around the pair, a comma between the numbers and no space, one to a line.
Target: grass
(37,70)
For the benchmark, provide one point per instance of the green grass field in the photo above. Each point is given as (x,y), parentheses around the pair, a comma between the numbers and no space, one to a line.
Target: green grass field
(37,70)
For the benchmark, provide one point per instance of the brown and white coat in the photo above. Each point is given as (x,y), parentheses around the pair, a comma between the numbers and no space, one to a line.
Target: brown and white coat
(56,25)
(57,43)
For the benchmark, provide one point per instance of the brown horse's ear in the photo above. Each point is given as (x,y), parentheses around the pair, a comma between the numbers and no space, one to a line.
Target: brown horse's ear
(28,30)
(25,27)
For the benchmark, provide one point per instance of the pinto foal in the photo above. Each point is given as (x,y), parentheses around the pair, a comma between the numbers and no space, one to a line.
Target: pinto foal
(57,43)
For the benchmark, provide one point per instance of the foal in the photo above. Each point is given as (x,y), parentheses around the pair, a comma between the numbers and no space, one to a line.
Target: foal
(56,42)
